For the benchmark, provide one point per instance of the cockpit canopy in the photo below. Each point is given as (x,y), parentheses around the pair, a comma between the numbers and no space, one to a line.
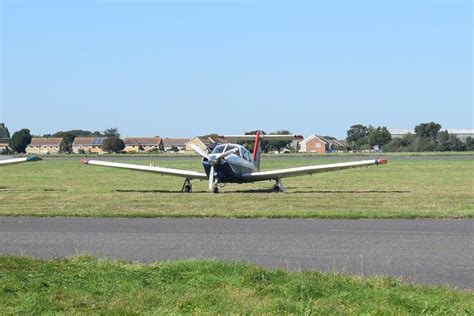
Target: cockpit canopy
(243,152)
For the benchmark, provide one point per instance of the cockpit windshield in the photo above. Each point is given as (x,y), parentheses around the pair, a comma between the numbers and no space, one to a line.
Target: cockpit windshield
(230,147)
(219,149)
(226,147)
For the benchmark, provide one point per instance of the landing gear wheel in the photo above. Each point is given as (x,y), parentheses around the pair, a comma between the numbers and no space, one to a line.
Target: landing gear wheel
(216,189)
(276,188)
(187,186)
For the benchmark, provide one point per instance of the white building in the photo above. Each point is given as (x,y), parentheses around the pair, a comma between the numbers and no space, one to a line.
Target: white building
(461,133)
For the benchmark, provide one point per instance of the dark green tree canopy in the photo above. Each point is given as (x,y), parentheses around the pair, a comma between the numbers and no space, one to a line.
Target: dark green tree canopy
(427,131)
(83,133)
(113,145)
(357,135)
(379,136)
(20,140)
(4,133)
(111,132)
(469,143)
(68,139)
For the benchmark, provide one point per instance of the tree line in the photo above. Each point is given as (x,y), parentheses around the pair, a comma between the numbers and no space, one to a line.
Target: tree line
(427,137)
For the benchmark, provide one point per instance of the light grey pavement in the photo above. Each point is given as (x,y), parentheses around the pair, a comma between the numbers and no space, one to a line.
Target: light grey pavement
(420,251)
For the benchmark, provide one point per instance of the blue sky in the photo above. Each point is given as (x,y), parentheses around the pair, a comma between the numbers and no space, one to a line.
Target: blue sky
(184,68)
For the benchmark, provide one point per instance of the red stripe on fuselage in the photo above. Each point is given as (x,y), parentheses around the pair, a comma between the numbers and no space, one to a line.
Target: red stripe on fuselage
(255,146)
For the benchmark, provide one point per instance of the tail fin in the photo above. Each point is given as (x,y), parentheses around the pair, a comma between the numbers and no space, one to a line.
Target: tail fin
(257,150)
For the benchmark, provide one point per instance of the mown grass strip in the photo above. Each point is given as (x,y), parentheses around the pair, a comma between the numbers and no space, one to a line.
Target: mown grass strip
(86,284)
(424,188)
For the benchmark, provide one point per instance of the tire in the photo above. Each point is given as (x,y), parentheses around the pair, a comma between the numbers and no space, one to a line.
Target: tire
(188,189)
(216,190)
(276,189)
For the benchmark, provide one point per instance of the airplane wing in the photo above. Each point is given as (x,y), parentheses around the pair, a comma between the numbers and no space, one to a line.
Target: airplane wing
(166,171)
(4,162)
(293,172)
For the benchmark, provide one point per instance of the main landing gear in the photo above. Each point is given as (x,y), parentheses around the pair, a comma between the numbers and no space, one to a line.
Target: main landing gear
(278,186)
(187,186)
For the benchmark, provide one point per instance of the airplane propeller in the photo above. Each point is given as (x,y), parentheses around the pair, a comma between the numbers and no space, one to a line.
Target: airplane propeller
(213,161)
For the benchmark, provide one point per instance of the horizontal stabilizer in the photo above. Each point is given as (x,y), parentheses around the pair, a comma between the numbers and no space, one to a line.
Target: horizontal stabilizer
(237,138)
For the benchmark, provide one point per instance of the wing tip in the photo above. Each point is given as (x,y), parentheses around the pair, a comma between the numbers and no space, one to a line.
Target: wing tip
(85,161)
(381,161)
(33,158)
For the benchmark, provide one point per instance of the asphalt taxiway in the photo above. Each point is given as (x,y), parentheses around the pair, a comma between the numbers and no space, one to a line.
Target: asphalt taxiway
(419,251)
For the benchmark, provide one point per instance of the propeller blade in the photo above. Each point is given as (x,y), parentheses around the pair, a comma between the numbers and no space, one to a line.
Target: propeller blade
(227,153)
(200,151)
(211,178)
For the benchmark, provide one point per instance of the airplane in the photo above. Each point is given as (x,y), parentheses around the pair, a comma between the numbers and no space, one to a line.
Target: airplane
(233,163)
(12,161)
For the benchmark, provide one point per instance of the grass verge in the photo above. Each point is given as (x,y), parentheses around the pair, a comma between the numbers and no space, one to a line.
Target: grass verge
(89,285)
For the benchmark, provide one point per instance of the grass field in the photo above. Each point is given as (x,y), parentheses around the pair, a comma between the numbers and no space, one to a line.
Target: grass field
(404,188)
(88,285)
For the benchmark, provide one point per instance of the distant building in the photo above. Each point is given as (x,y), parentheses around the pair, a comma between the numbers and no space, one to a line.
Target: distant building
(320,145)
(90,145)
(179,143)
(41,145)
(4,143)
(461,133)
(143,144)
(204,142)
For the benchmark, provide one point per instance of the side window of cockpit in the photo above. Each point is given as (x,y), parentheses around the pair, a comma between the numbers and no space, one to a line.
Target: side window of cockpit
(246,155)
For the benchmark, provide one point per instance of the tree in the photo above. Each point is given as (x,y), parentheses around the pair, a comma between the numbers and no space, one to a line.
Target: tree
(357,135)
(428,131)
(443,140)
(449,142)
(379,136)
(68,139)
(4,133)
(111,132)
(469,143)
(455,144)
(20,140)
(113,144)
(83,133)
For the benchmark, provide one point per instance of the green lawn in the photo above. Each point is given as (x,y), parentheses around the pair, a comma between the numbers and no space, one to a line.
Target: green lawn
(401,189)
(88,285)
